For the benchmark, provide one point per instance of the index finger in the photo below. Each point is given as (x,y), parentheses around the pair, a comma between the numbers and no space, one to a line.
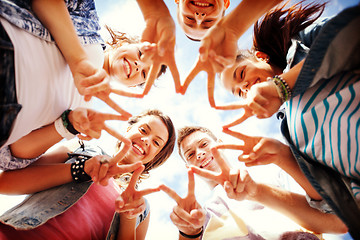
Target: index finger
(204,173)
(220,160)
(230,146)
(175,74)
(154,69)
(191,184)
(113,105)
(135,176)
(247,113)
(148,191)
(210,88)
(194,71)
(171,193)
(238,135)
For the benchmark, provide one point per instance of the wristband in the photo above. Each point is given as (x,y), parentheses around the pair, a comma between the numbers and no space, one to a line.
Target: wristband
(60,128)
(192,236)
(77,170)
(67,123)
(282,87)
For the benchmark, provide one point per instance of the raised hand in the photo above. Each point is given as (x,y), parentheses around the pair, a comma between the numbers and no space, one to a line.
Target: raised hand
(188,216)
(258,150)
(240,185)
(217,51)
(218,177)
(160,29)
(91,122)
(131,203)
(100,169)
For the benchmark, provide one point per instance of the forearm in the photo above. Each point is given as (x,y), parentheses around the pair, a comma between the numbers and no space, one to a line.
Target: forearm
(35,143)
(291,76)
(55,17)
(34,178)
(288,164)
(127,228)
(246,13)
(296,207)
(153,7)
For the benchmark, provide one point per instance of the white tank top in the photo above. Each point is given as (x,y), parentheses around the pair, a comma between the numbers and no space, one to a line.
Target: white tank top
(44,83)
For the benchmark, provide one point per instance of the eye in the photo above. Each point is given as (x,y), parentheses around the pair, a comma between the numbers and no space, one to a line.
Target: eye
(190,18)
(143,74)
(190,155)
(204,144)
(208,21)
(140,54)
(156,143)
(242,74)
(142,130)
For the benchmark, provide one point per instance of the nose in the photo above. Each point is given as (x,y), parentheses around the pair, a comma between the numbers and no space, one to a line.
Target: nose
(145,140)
(137,66)
(200,155)
(244,86)
(199,17)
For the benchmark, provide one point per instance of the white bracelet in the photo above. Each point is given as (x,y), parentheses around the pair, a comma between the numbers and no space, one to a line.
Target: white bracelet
(61,129)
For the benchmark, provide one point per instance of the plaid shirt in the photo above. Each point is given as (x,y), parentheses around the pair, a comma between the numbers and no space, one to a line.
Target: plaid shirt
(82,13)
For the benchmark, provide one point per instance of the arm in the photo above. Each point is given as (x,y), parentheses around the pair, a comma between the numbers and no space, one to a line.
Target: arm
(86,121)
(263,99)
(130,204)
(218,48)
(239,185)
(55,17)
(160,29)
(188,216)
(297,208)
(262,151)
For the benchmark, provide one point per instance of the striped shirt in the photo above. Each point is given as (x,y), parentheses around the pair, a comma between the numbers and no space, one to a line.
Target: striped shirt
(324,124)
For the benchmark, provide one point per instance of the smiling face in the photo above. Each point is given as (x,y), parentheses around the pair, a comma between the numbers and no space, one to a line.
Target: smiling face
(245,73)
(195,17)
(148,136)
(127,65)
(196,150)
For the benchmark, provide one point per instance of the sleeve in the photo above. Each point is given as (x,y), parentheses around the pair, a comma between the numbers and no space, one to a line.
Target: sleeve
(334,48)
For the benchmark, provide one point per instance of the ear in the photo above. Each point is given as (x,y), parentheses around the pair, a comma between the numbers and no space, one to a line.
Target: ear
(263,56)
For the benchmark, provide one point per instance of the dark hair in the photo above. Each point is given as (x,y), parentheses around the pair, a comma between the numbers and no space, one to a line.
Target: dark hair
(272,35)
(119,38)
(187,130)
(168,148)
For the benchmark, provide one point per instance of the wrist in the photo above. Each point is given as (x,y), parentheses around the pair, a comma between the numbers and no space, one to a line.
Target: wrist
(192,235)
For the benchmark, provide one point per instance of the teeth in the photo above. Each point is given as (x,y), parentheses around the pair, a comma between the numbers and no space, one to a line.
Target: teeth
(200,4)
(127,67)
(203,164)
(138,148)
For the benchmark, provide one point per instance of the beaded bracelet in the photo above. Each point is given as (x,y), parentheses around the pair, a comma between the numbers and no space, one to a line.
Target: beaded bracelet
(192,236)
(77,170)
(67,123)
(282,87)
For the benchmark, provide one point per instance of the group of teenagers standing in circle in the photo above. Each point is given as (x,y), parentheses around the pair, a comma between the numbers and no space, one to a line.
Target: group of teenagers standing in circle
(54,61)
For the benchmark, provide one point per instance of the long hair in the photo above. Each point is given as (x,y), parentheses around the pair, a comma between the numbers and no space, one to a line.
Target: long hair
(164,153)
(272,35)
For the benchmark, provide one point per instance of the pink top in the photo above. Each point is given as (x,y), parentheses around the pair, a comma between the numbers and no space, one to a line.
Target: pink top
(89,218)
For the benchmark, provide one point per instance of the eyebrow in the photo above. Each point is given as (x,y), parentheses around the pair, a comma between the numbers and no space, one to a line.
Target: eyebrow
(148,126)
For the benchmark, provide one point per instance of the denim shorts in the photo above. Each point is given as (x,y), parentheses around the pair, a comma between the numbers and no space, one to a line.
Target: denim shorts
(9,108)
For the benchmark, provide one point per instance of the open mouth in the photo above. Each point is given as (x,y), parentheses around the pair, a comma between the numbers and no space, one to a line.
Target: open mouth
(127,68)
(201,4)
(206,162)
(138,149)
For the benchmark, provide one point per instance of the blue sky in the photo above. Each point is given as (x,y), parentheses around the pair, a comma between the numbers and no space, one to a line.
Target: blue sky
(191,109)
